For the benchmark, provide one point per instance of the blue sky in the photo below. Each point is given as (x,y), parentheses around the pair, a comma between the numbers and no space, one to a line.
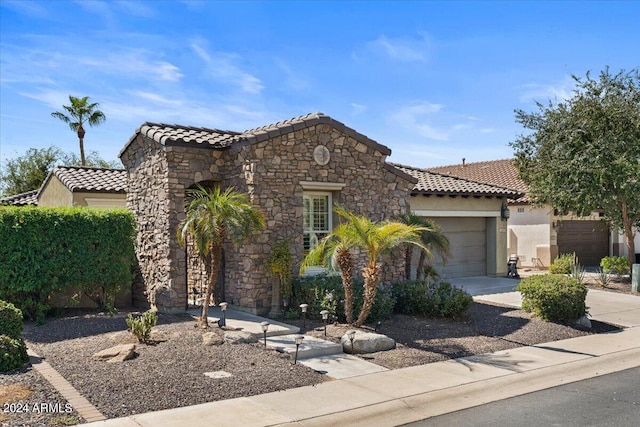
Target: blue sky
(433,81)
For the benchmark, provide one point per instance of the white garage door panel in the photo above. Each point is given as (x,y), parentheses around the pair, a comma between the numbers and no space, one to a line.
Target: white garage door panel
(468,239)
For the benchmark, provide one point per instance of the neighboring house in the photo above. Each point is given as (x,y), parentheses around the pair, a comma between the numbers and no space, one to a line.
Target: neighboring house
(537,234)
(294,171)
(77,186)
(472,216)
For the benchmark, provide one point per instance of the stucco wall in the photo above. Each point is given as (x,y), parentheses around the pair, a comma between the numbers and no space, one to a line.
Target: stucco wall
(55,194)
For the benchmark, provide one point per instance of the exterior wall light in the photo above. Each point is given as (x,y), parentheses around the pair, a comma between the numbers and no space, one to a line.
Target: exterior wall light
(504,213)
(265,328)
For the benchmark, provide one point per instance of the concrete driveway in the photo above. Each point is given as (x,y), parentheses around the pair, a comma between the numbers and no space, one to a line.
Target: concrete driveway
(610,307)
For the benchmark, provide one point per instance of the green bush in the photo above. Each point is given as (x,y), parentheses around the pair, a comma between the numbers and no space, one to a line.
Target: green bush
(141,326)
(10,320)
(325,292)
(563,264)
(554,297)
(615,264)
(426,298)
(50,250)
(13,353)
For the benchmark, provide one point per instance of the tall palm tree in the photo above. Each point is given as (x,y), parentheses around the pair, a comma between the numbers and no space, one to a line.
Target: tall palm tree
(432,237)
(212,217)
(80,112)
(375,240)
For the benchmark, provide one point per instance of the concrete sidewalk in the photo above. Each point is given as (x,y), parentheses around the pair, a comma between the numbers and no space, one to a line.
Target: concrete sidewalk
(411,394)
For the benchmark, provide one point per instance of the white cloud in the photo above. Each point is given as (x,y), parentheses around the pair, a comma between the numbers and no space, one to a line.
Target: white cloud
(416,118)
(29,8)
(402,49)
(357,108)
(222,66)
(292,79)
(542,92)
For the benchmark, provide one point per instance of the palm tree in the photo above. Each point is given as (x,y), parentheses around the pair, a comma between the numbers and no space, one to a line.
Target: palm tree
(79,112)
(212,217)
(334,251)
(375,240)
(432,237)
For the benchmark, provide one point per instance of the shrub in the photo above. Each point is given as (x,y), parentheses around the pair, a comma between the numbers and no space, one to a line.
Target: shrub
(49,250)
(554,297)
(563,264)
(426,298)
(141,326)
(10,320)
(13,353)
(325,292)
(615,264)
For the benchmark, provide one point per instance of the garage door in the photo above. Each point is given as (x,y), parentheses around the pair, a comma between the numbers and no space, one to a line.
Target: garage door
(588,239)
(468,239)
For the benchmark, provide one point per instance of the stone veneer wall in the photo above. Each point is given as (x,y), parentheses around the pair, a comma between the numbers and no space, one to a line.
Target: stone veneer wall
(270,172)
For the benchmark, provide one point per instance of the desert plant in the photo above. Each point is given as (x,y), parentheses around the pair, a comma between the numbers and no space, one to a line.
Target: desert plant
(563,264)
(578,272)
(426,298)
(615,264)
(603,277)
(141,326)
(554,297)
(279,263)
(13,353)
(10,320)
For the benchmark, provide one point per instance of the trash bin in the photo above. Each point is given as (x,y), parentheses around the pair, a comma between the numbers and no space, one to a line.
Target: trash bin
(512,266)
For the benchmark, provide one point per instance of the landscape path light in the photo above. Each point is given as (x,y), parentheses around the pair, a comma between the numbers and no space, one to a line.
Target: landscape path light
(351,335)
(223,322)
(299,339)
(304,308)
(265,328)
(325,317)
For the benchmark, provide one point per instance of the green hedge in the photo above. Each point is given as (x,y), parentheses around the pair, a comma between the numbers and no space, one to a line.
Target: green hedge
(434,299)
(554,297)
(10,320)
(49,250)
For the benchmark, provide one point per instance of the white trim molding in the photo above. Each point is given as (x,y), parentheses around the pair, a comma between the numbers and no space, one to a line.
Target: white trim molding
(434,213)
(322,186)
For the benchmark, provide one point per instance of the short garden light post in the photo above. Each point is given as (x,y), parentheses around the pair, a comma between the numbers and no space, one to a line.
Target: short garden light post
(299,339)
(265,327)
(325,317)
(223,307)
(304,308)
(351,335)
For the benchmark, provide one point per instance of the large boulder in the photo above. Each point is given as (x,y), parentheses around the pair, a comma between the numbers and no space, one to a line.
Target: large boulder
(240,337)
(212,338)
(118,353)
(367,342)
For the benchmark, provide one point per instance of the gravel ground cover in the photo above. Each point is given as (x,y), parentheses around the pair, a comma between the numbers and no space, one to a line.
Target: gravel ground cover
(170,372)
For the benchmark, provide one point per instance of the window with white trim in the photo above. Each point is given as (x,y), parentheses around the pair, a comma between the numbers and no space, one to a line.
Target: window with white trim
(316,218)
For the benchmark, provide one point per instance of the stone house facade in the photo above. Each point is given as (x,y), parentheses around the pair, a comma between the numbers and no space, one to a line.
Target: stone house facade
(294,171)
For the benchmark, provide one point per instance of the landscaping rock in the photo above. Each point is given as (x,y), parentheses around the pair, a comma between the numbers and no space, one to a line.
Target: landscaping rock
(367,342)
(212,338)
(118,353)
(584,322)
(239,337)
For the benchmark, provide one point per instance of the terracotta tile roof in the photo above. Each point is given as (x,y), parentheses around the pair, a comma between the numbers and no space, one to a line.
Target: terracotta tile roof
(439,184)
(169,135)
(101,180)
(502,173)
(22,199)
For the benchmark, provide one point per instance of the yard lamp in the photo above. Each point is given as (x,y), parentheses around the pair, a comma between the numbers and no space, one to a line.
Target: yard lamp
(223,307)
(304,308)
(325,317)
(265,327)
(351,335)
(299,339)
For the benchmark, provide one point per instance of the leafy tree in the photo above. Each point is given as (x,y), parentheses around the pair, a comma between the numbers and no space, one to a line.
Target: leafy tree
(583,154)
(27,172)
(375,239)
(78,113)
(433,238)
(212,217)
